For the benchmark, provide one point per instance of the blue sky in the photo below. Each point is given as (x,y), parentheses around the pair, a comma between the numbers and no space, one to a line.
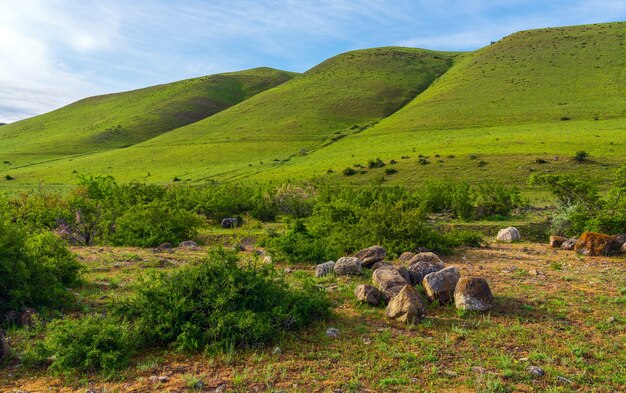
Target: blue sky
(53,52)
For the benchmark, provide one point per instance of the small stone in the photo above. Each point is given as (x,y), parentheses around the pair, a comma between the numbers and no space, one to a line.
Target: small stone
(158,378)
(480,370)
(332,332)
(268,260)
(610,320)
(451,373)
(368,294)
(347,266)
(564,380)
(367,341)
(287,270)
(535,371)
(277,351)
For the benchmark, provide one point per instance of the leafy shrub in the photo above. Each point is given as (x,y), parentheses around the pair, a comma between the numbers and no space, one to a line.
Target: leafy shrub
(295,201)
(34,270)
(377,163)
(93,343)
(154,223)
(219,304)
(390,171)
(349,171)
(298,245)
(581,156)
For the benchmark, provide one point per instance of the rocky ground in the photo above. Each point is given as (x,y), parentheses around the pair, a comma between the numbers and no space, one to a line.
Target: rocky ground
(559,324)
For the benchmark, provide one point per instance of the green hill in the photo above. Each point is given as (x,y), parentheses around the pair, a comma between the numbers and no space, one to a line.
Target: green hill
(123,119)
(339,97)
(523,104)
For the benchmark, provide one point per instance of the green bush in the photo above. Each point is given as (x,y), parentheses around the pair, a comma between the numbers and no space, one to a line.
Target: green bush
(93,343)
(35,270)
(153,223)
(298,245)
(220,304)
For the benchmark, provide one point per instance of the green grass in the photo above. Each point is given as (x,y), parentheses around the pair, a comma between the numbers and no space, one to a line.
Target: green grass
(478,116)
(123,119)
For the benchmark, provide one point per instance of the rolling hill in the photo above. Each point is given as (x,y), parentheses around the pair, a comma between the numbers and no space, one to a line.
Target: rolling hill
(523,104)
(123,119)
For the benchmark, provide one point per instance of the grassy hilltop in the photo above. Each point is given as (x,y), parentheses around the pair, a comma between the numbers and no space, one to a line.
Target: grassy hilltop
(501,112)
(123,119)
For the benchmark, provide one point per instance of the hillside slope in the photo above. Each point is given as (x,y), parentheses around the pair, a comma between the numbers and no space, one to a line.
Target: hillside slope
(340,96)
(123,119)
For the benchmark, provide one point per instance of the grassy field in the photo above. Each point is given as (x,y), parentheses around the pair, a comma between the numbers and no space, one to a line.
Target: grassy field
(533,95)
(119,120)
(556,310)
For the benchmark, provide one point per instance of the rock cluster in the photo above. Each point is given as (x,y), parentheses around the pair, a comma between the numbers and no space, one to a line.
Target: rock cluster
(592,244)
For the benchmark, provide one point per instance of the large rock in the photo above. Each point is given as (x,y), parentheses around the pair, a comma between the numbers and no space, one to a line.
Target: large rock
(347,266)
(419,270)
(4,347)
(620,239)
(569,243)
(371,255)
(557,241)
(324,269)
(368,294)
(440,285)
(594,244)
(388,280)
(473,294)
(406,306)
(406,256)
(508,235)
(425,257)
(230,222)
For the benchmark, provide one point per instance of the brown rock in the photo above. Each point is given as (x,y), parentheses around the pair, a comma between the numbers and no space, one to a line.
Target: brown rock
(419,270)
(406,256)
(386,278)
(371,255)
(406,306)
(594,244)
(425,257)
(347,266)
(473,294)
(368,294)
(380,264)
(440,285)
(557,241)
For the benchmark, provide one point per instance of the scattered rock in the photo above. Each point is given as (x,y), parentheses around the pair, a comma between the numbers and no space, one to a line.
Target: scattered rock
(386,278)
(158,378)
(324,269)
(569,244)
(406,306)
(480,370)
(418,270)
(406,256)
(4,347)
(287,270)
(371,255)
(368,294)
(610,320)
(347,266)
(277,351)
(440,285)
(425,257)
(27,317)
(594,244)
(380,264)
(451,373)
(564,380)
(268,260)
(557,241)
(535,371)
(188,244)
(332,332)
(509,235)
(238,247)
(164,247)
(230,222)
(473,294)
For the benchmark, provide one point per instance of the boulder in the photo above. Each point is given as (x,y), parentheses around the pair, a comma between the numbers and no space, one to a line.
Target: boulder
(473,294)
(425,257)
(4,347)
(188,244)
(594,244)
(368,294)
(569,244)
(420,269)
(230,222)
(440,285)
(164,247)
(347,266)
(621,239)
(324,269)
(371,255)
(27,317)
(557,241)
(508,235)
(623,249)
(386,279)
(406,306)
(406,256)
(380,264)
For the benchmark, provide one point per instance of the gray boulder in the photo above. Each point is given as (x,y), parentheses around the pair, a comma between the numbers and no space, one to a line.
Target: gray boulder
(386,279)
(230,222)
(419,270)
(380,264)
(371,255)
(406,306)
(406,256)
(569,244)
(620,239)
(347,266)
(473,294)
(508,235)
(324,269)
(368,294)
(425,257)
(188,244)
(440,285)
